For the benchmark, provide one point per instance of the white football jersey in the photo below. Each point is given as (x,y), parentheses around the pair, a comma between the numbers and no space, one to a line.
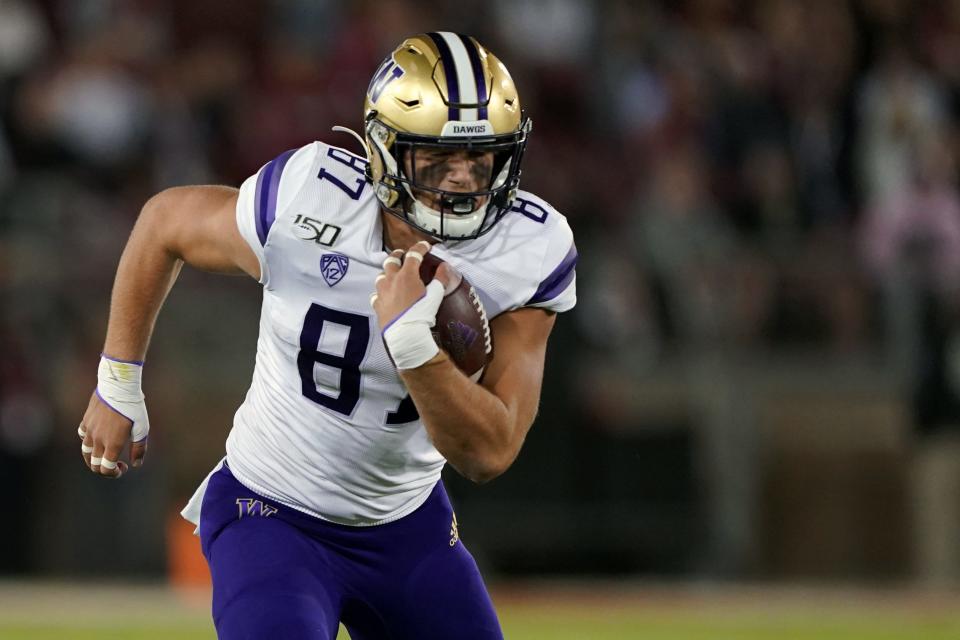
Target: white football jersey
(327,426)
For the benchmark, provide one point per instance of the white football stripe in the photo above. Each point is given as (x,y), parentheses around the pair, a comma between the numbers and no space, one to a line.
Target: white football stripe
(466,81)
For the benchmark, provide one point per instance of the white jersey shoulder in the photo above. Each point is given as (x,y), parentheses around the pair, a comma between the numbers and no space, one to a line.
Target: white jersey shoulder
(305,193)
(527,260)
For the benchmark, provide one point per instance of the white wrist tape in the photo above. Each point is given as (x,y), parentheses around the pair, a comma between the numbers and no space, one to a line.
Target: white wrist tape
(118,387)
(408,336)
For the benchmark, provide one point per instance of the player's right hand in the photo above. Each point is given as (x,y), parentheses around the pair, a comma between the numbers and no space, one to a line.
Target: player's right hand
(105,433)
(399,286)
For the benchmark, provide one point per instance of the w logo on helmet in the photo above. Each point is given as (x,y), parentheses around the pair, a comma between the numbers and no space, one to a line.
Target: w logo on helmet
(388,72)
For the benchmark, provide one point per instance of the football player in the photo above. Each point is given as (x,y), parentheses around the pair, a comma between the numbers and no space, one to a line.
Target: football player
(328,505)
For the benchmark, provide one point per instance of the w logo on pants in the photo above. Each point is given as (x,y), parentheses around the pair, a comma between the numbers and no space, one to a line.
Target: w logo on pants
(253,507)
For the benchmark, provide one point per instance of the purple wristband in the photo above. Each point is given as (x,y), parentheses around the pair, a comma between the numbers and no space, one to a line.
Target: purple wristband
(139,363)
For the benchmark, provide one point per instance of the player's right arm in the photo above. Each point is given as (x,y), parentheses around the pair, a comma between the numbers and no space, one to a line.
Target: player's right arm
(192,225)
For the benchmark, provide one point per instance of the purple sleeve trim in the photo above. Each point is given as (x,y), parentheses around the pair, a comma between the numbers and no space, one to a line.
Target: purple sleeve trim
(139,363)
(265,199)
(558,280)
(401,314)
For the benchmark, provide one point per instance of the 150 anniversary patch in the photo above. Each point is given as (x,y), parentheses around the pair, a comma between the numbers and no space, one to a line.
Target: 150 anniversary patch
(311,229)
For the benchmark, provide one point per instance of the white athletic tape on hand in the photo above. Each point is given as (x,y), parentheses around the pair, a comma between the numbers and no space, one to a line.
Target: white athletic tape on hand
(118,386)
(81,431)
(408,336)
(95,461)
(108,464)
(392,260)
(85,449)
(413,255)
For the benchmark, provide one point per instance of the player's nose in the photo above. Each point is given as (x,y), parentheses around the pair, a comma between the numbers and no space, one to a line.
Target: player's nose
(458,169)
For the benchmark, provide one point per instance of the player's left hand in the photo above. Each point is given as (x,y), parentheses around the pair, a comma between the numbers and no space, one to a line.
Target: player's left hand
(399,286)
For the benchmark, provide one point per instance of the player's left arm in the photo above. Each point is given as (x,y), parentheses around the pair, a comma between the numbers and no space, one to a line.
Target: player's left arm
(479,428)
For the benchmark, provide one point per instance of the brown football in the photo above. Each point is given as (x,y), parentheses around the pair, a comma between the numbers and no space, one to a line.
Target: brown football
(462,329)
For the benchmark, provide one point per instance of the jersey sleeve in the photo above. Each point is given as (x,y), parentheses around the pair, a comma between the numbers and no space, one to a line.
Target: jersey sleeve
(264,197)
(557,290)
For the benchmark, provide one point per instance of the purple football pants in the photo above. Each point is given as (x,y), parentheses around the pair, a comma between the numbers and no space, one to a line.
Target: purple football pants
(279,573)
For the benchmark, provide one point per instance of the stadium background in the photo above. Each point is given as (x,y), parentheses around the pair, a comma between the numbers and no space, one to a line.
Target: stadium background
(759,387)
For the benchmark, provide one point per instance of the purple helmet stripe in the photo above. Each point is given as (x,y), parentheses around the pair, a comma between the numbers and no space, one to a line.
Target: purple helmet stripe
(558,280)
(450,73)
(265,201)
(474,55)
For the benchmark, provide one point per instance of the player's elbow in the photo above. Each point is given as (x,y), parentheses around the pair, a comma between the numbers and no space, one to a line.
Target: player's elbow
(178,219)
(488,451)
(158,218)
(478,474)
(151,214)
(483,469)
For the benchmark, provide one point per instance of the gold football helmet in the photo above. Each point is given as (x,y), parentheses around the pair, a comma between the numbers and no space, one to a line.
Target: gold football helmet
(440,92)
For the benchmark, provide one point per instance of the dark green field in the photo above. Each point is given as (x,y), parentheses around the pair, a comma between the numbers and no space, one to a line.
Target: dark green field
(529,612)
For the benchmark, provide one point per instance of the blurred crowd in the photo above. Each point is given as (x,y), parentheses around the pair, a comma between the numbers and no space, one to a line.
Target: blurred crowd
(748,176)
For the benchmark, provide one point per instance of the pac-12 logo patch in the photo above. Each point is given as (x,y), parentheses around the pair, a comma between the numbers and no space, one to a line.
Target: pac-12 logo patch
(333,266)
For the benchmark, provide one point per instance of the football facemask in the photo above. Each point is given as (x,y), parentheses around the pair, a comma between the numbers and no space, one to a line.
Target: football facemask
(443,93)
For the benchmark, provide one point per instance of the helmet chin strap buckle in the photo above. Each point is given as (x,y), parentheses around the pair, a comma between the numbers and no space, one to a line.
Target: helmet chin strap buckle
(459,204)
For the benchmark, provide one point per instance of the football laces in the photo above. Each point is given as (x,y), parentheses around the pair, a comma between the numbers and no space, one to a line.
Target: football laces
(475,299)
